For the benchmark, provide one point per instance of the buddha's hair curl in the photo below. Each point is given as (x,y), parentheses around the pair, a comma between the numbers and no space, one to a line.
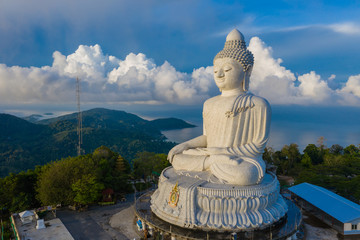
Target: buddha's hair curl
(236,49)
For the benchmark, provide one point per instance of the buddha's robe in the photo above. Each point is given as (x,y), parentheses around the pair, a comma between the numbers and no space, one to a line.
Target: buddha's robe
(236,130)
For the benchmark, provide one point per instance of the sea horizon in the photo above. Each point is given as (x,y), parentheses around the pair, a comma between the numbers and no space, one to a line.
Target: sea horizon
(302,125)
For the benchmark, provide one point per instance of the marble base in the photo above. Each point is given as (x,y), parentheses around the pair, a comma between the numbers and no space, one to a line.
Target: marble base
(197,200)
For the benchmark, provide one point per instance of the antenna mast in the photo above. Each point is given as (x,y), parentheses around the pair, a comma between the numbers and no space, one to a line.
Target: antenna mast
(79,126)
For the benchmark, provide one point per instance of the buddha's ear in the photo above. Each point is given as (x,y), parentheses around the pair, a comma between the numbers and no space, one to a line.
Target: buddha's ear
(246,80)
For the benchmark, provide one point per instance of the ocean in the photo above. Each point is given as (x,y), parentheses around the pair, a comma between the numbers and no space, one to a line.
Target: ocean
(302,125)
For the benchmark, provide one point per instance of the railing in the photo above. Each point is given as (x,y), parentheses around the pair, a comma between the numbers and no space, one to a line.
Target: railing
(16,233)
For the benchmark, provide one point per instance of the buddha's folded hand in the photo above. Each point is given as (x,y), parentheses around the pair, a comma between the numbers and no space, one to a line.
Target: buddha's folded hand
(207,151)
(177,150)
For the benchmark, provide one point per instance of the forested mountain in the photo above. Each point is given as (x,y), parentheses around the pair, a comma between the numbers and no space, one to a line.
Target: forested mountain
(24,144)
(170,123)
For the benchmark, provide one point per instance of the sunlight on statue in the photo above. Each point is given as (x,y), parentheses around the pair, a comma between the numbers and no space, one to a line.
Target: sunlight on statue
(218,180)
(236,123)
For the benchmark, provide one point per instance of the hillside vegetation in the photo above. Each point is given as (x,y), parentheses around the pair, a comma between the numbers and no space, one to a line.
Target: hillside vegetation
(23,144)
(335,168)
(78,180)
(81,180)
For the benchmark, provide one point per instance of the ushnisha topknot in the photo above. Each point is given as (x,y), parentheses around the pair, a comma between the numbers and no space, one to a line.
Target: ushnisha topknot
(235,48)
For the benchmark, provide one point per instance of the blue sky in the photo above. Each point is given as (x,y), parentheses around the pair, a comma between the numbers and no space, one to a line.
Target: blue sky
(151,53)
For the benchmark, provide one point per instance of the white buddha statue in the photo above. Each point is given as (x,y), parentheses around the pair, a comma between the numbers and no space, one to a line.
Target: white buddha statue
(236,123)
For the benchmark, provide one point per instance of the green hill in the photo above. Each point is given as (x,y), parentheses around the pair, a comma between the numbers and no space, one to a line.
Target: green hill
(170,123)
(24,145)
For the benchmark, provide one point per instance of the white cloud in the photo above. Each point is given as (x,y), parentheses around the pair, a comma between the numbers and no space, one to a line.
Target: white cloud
(31,85)
(104,79)
(137,79)
(332,77)
(140,79)
(269,79)
(293,28)
(352,86)
(312,87)
(349,28)
(280,86)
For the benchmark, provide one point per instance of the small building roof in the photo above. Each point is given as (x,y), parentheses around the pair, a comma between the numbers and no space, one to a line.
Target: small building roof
(336,206)
(26,213)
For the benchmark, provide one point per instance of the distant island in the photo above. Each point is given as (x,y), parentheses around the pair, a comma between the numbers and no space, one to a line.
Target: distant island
(170,124)
(25,143)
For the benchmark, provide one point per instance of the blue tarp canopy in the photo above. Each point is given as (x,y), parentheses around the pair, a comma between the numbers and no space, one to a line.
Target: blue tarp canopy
(336,206)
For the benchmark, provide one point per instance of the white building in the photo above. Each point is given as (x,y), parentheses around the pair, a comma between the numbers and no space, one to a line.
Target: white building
(340,213)
(27,216)
(26,227)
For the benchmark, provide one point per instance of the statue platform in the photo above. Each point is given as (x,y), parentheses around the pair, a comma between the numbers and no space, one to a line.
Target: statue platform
(285,228)
(197,200)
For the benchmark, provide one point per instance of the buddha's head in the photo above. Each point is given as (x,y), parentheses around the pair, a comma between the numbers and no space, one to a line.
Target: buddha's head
(233,64)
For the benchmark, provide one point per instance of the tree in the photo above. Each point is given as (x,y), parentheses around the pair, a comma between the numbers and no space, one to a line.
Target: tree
(121,175)
(17,191)
(306,161)
(142,165)
(280,161)
(122,166)
(160,163)
(148,164)
(56,181)
(351,150)
(292,153)
(267,155)
(333,160)
(87,189)
(321,143)
(113,170)
(336,149)
(314,153)
(80,179)
(54,184)
(102,152)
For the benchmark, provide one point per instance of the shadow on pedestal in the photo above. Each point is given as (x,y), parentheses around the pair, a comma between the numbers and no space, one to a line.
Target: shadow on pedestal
(283,229)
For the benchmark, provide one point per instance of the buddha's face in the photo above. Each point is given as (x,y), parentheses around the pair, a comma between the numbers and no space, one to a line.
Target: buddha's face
(228,74)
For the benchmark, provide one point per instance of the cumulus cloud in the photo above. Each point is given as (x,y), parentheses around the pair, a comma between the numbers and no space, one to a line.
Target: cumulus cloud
(280,86)
(269,79)
(352,86)
(313,87)
(104,79)
(138,79)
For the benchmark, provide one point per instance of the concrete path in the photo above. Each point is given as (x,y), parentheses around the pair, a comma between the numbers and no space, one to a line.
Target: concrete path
(95,222)
(123,222)
(81,226)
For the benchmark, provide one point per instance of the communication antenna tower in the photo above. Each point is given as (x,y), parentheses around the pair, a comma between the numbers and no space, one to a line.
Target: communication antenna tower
(79,126)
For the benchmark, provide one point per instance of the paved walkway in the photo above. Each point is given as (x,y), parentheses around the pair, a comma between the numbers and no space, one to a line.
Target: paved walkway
(82,226)
(95,222)
(123,222)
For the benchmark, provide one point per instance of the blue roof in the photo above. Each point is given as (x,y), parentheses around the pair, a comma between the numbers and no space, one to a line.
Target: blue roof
(336,206)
